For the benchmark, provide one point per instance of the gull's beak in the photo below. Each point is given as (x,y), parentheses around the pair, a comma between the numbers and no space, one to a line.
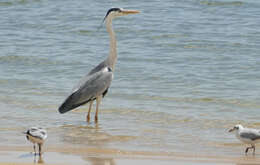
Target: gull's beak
(129,11)
(231,130)
(24,132)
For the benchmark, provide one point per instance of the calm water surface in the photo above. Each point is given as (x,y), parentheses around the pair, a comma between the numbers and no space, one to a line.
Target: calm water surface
(186,72)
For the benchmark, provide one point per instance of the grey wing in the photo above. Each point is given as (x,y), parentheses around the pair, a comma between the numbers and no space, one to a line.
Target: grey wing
(93,86)
(98,68)
(253,135)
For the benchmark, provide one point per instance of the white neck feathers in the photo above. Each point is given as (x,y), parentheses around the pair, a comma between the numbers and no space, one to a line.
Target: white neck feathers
(112,58)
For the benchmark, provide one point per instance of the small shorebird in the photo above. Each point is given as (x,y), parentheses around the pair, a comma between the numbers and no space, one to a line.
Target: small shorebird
(247,136)
(36,135)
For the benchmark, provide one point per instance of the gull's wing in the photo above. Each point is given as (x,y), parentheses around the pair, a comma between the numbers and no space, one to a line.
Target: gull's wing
(252,134)
(88,89)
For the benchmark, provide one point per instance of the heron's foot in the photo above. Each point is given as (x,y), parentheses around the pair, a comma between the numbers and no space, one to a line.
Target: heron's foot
(96,119)
(88,118)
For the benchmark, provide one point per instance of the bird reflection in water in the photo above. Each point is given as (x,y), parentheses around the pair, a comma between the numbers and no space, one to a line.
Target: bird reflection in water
(38,159)
(90,135)
(100,161)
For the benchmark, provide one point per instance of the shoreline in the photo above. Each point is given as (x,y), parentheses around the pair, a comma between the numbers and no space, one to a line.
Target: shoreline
(65,155)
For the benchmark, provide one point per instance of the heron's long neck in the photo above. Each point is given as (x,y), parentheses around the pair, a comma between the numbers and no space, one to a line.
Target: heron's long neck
(112,58)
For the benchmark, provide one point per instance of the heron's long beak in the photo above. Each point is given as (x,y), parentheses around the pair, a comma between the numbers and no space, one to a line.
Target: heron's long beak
(130,11)
(232,129)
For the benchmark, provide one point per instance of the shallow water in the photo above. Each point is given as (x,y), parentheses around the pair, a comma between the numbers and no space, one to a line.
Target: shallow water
(63,158)
(186,72)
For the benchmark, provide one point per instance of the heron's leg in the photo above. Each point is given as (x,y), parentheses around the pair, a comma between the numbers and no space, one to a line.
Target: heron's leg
(98,102)
(89,109)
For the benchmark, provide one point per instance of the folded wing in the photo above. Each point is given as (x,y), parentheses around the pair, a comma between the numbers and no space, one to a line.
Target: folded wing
(88,89)
(251,134)
(38,133)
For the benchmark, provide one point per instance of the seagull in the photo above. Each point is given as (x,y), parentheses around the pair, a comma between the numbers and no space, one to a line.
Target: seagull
(247,136)
(36,135)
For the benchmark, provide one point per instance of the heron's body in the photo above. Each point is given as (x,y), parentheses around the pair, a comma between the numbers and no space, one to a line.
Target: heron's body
(36,136)
(88,90)
(247,135)
(95,84)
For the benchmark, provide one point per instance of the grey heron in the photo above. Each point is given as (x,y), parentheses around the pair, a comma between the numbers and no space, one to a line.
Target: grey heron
(247,136)
(95,84)
(36,135)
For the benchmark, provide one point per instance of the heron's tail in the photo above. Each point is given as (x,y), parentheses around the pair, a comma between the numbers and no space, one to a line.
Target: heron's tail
(70,104)
(64,108)
(67,105)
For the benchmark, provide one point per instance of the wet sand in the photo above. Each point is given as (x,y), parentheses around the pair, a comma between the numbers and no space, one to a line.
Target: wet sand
(95,156)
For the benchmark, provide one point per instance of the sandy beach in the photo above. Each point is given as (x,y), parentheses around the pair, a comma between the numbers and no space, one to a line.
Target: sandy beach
(95,156)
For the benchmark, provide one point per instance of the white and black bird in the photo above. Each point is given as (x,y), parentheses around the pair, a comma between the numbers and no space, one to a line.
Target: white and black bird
(36,135)
(95,84)
(247,135)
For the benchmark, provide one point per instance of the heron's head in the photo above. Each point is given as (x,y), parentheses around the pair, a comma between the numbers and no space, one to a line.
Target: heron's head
(116,12)
(236,128)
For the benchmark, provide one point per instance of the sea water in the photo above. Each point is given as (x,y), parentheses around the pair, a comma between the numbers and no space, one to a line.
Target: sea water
(187,71)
